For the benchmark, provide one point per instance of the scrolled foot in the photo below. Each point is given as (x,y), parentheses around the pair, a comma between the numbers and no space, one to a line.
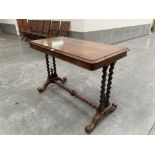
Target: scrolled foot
(98,116)
(63,80)
(42,89)
(89,128)
(52,80)
(112,107)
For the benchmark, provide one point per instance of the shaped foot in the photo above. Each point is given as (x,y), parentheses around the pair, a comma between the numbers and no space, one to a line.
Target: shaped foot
(98,116)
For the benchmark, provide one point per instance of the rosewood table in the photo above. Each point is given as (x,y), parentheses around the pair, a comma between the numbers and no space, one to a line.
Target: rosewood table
(85,54)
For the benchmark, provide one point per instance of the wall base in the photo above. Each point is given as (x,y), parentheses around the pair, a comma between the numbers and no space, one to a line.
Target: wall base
(113,36)
(110,36)
(8,28)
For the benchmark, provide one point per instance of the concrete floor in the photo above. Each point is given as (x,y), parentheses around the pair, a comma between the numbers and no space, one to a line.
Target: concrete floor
(24,111)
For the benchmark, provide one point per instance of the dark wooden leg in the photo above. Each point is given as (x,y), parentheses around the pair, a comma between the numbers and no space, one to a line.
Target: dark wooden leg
(104,107)
(102,92)
(109,83)
(48,66)
(43,88)
(51,75)
(98,116)
(54,67)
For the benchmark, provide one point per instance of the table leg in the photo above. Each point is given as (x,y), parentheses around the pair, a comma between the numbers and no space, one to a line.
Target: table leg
(51,75)
(104,107)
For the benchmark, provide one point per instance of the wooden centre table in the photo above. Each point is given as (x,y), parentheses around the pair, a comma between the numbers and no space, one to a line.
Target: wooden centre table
(85,54)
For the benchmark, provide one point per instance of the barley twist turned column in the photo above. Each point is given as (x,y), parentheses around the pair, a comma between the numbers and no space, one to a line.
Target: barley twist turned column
(109,82)
(103,83)
(48,66)
(54,67)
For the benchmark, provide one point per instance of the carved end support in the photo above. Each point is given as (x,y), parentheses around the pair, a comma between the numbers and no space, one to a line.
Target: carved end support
(63,80)
(89,128)
(98,116)
(40,90)
(113,107)
(43,88)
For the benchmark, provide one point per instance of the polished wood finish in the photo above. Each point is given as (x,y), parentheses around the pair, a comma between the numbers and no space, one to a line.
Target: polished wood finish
(88,55)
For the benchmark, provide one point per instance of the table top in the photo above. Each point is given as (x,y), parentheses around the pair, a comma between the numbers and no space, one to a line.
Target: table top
(86,54)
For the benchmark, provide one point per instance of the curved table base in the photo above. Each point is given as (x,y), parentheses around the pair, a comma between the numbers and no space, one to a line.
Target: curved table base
(98,116)
(49,81)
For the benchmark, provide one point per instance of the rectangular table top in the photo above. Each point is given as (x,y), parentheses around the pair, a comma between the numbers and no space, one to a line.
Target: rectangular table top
(86,54)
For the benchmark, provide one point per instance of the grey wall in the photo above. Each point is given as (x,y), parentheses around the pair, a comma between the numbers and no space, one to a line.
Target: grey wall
(8,28)
(110,36)
(113,35)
